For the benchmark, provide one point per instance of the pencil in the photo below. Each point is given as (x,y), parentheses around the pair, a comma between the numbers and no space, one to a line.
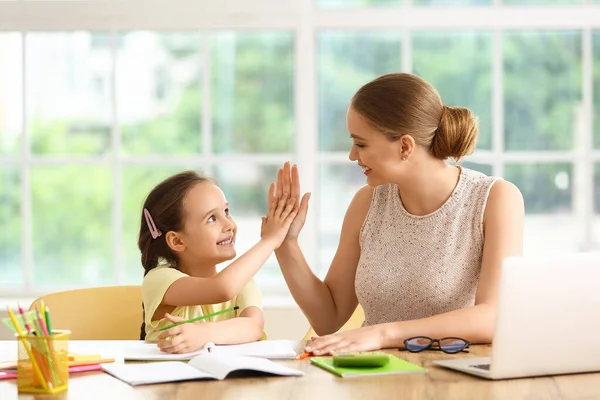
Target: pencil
(164,328)
(36,367)
(304,355)
(43,307)
(47,317)
(27,326)
(55,367)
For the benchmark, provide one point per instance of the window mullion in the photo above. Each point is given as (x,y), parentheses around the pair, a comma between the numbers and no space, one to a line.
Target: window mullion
(26,225)
(115,139)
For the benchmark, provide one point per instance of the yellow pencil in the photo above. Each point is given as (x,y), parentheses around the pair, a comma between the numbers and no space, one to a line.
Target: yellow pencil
(36,368)
(43,308)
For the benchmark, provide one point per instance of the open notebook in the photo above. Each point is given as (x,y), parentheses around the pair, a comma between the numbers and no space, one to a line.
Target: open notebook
(271,349)
(203,366)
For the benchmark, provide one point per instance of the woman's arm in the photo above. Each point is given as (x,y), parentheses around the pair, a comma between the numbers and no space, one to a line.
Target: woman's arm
(503,230)
(326,304)
(248,327)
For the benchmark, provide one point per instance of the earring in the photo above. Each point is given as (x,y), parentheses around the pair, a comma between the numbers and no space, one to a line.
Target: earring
(404,157)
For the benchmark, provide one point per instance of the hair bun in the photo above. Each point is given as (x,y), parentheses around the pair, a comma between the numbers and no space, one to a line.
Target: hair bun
(456,134)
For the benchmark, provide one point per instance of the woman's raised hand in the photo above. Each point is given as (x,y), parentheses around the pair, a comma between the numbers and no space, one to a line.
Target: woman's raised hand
(288,186)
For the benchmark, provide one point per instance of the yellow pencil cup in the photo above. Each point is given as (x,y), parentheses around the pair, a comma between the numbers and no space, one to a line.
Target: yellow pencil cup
(43,364)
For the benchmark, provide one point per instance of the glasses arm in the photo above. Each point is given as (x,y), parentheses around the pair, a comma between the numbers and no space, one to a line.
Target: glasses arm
(466,350)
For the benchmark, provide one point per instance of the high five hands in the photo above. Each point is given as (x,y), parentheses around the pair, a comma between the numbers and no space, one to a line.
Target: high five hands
(288,187)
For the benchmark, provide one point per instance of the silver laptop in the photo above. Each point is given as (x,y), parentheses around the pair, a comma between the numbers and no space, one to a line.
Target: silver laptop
(548,319)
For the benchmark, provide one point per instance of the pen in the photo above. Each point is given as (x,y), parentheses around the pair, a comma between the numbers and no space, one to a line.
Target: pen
(164,328)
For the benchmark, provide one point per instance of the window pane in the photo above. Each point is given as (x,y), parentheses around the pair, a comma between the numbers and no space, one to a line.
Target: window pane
(252,76)
(158,92)
(358,3)
(459,66)
(10,234)
(446,3)
(246,187)
(483,168)
(137,182)
(346,61)
(337,186)
(72,225)
(541,110)
(597,87)
(596,224)
(542,2)
(11,92)
(68,89)
(548,191)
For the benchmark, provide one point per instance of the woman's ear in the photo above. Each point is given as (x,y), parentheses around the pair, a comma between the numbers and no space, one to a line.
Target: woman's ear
(175,242)
(406,147)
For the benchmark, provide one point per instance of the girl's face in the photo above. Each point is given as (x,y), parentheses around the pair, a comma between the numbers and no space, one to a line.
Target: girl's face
(379,158)
(209,230)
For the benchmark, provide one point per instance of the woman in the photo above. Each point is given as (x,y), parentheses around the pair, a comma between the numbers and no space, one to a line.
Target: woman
(422,243)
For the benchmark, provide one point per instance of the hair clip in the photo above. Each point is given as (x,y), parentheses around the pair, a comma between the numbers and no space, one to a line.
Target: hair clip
(151,226)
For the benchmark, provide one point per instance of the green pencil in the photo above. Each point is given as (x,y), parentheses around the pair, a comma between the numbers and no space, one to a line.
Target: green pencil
(164,328)
(47,317)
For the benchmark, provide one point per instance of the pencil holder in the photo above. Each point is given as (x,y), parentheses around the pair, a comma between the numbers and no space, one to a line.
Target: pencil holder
(43,364)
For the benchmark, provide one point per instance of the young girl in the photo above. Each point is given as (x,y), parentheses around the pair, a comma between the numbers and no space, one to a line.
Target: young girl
(186,230)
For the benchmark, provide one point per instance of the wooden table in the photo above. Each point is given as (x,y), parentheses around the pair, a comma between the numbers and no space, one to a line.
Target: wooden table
(319,384)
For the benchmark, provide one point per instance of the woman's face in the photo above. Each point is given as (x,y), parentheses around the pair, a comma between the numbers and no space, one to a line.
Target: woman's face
(380,159)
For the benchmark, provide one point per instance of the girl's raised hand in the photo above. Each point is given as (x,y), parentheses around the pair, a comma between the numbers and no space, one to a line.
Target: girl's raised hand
(282,211)
(288,184)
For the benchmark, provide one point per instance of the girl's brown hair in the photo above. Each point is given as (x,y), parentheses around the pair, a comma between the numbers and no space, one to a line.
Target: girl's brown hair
(403,104)
(165,203)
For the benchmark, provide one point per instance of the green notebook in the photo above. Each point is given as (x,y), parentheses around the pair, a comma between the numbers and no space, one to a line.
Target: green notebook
(396,366)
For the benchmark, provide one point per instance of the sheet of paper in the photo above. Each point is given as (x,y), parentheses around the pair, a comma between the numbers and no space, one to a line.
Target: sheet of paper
(142,351)
(271,349)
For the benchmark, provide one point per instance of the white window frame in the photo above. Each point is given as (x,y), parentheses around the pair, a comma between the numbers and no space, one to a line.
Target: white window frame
(303,18)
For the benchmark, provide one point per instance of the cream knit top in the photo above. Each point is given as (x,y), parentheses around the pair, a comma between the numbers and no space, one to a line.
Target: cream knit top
(414,267)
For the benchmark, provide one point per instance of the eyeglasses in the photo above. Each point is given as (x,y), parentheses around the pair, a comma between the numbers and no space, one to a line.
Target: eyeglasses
(450,345)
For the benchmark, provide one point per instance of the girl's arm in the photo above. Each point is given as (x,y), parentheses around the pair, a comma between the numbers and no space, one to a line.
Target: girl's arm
(189,291)
(327,304)
(186,338)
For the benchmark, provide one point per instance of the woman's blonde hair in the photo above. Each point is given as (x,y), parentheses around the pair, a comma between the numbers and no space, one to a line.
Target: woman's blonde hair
(403,104)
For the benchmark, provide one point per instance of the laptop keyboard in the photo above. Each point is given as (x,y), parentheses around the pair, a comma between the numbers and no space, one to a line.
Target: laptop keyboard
(481,366)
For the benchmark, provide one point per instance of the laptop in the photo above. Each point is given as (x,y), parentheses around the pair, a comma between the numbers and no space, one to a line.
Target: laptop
(548,319)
